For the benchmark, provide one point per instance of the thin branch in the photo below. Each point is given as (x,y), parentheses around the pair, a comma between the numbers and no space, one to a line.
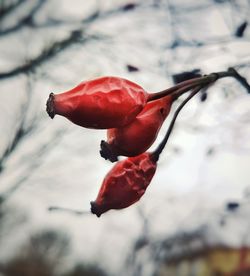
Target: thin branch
(46,55)
(27,20)
(162,145)
(21,131)
(68,210)
(33,166)
(185,86)
(198,84)
(5,11)
(74,37)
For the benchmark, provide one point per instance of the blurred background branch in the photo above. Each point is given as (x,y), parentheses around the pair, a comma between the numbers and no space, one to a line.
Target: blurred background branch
(187,215)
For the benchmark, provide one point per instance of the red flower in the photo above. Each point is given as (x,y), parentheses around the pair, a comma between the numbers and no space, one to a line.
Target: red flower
(106,102)
(125,183)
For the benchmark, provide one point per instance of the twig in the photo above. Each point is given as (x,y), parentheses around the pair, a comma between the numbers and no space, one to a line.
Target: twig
(25,21)
(240,79)
(4,11)
(185,86)
(46,55)
(33,166)
(196,84)
(72,211)
(159,149)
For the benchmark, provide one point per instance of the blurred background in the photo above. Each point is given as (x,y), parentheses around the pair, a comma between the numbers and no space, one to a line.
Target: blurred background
(194,218)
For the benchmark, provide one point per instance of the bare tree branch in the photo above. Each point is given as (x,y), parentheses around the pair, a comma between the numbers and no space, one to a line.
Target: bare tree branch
(22,129)
(33,166)
(27,20)
(47,54)
(6,10)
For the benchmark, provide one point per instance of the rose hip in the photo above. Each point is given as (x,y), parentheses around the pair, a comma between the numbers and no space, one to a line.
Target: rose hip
(128,179)
(125,183)
(106,102)
(136,137)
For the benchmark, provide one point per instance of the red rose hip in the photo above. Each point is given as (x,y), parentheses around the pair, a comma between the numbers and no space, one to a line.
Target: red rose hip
(125,183)
(106,102)
(137,136)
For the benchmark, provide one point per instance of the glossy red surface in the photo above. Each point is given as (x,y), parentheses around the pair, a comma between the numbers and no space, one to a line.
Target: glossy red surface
(125,183)
(101,103)
(136,137)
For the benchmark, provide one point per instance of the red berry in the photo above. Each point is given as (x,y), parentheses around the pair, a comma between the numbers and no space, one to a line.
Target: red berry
(106,102)
(137,136)
(125,183)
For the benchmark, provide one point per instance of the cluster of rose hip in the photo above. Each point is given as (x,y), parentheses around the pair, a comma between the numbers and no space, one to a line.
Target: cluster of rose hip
(133,119)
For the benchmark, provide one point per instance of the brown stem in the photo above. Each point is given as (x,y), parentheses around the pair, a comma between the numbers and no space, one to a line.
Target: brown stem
(159,149)
(187,85)
(182,91)
(196,84)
